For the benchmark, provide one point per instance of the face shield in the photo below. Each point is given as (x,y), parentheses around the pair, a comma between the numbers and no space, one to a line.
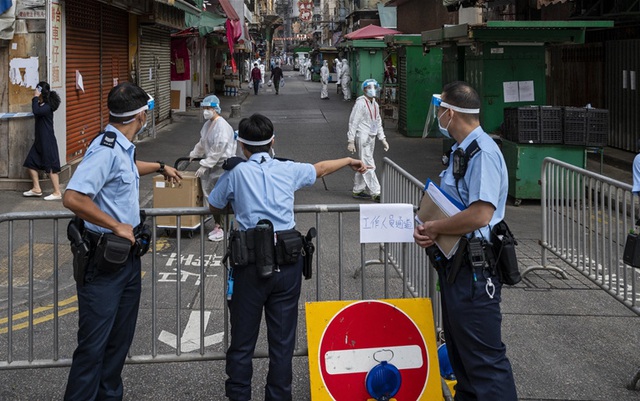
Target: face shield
(431,125)
(431,129)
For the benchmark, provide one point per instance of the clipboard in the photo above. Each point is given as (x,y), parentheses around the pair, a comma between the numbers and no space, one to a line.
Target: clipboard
(436,205)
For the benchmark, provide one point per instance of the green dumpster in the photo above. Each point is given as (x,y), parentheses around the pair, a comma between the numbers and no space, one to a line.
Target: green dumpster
(524,162)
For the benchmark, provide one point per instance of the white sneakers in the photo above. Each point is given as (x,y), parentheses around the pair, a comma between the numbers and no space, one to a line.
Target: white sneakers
(53,197)
(217,234)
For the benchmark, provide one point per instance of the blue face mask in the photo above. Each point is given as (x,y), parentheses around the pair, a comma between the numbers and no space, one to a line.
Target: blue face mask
(370,92)
(444,130)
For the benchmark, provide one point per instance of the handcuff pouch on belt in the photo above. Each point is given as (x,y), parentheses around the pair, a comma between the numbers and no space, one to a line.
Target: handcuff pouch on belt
(79,248)
(111,252)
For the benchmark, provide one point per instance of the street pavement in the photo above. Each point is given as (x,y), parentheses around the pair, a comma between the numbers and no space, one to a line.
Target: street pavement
(566,338)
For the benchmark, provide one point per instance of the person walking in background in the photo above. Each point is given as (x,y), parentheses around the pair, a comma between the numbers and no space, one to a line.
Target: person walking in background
(338,67)
(324,78)
(276,76)
(308,69)
(43,155)
(365,124)
(471,294)
(256,77)
(345,79)
(216,145)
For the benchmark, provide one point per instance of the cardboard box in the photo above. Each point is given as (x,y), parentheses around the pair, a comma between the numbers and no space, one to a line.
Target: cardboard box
(188,193)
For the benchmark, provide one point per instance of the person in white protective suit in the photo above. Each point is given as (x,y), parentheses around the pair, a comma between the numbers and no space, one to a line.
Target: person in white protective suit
(307,69)
(365,124)
(302,64)
(338,67)
(324,78)
(345,79)
(217,144)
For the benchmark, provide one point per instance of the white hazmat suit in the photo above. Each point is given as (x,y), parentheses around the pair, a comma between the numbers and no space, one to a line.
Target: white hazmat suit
(307,70)
(217,144)
(338,65)
(365,124)
(345,79)
(324,78)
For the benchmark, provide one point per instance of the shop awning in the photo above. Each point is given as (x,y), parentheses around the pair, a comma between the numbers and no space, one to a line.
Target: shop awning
(370,32)
(549,2)
(188,8)
(229,10)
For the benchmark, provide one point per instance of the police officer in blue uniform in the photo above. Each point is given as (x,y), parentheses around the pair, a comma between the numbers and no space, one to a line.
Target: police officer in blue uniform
(262,188)
(104,192)
(477,177)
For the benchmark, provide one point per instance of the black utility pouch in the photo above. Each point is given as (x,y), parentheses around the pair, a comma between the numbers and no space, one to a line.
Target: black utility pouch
(79,248)
(264,248)
(111,253)
(239,250)
(504,249)
(288,247)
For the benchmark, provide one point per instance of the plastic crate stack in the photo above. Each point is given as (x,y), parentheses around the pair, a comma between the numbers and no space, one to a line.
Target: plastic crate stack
(550,124)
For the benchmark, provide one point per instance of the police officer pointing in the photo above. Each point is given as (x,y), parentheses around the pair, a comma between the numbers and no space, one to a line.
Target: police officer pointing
(261,194)
(104,192)
(477,177)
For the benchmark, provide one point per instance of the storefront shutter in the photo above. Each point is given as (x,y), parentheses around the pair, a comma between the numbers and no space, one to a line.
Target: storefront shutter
(97,51)
(155,56)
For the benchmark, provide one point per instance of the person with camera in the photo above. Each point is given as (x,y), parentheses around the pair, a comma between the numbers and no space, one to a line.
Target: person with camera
(261,192)
(104,193)
(470,289)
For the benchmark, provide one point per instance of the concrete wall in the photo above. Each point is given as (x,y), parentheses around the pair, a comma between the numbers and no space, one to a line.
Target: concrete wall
(416,16)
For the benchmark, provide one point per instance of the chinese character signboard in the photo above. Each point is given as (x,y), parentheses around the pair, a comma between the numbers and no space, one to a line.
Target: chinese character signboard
(55,49)
(306,10)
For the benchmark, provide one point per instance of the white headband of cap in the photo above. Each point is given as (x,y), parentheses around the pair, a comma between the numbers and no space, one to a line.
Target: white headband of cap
(459,109)
(134,112)
(255,143)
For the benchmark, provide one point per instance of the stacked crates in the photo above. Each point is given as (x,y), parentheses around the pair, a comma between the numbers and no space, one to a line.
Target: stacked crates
(548,125)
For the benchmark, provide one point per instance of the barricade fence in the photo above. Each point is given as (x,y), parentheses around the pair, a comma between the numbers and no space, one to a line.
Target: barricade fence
(184,281)
(585,221)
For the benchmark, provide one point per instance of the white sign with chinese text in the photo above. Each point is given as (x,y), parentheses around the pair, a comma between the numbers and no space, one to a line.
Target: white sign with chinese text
(386,222)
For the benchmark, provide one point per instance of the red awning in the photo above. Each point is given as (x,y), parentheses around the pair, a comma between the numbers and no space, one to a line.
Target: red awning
(228,9)
(371,32)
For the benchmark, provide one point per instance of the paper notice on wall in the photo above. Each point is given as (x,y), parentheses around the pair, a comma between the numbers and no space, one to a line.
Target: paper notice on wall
(518,91)
(510,90)
(525,90)
(79,83)
(150,74)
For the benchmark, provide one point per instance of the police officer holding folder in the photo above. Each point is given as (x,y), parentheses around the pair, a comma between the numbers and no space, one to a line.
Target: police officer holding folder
(104,194)
(476,176)
(261,194)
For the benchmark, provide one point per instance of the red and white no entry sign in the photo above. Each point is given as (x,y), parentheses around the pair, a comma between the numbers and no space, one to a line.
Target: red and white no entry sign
(361,335)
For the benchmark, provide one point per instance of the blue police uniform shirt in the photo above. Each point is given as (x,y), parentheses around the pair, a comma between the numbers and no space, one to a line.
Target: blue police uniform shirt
(486,178)
(636,174)
(109,176)
(262,188)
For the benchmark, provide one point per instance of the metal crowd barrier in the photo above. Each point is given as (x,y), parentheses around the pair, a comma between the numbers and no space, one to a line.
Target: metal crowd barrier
(585,221)
(38,275)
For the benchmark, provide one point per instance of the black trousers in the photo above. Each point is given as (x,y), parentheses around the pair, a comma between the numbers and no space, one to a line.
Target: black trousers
(472,329)
(278,296)
(107,314)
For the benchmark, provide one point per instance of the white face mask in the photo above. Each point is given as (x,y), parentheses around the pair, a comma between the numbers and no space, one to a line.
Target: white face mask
(370,92)
(208,114)
(141,130)
(444,130)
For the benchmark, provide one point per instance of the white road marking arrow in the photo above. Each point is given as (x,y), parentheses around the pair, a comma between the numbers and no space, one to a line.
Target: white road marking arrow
(190,340)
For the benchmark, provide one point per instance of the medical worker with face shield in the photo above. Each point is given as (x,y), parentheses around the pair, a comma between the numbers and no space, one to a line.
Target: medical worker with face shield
(324,77)
(345,79)
(217,144)
(365,124)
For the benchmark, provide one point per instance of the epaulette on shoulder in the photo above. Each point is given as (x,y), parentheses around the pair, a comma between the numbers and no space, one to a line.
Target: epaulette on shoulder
(231,162)
(109,139)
